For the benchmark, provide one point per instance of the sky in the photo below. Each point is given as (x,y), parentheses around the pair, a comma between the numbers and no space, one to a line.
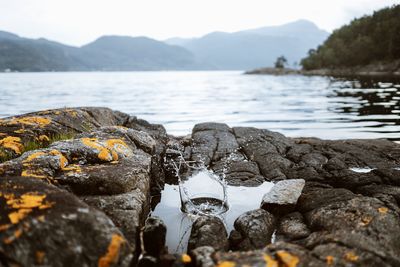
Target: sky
(78,22)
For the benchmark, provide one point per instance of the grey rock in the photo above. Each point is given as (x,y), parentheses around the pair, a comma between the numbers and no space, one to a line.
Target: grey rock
(202,256)
(283,196)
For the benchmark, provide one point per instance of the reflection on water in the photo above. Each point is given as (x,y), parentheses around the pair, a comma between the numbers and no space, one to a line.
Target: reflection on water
(241,199)
(294,105)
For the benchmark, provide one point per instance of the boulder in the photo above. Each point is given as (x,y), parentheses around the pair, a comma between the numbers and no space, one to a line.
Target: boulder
(153,237)
(208,231)
(253,230)
(283,196)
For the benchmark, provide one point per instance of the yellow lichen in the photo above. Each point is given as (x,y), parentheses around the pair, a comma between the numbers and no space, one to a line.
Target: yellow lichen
(44,138)
(226,264)
(39,257)
(13,143)
(329,260)
(287,259)
(365,220)
(112,255)
(351,256)
(269,261)
(383,210)
(20,131)
(186,258)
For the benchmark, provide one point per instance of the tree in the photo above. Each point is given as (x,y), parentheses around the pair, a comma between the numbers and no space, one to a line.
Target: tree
(280,62)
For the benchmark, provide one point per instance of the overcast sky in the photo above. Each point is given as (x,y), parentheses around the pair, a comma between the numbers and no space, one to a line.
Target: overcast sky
(78,22)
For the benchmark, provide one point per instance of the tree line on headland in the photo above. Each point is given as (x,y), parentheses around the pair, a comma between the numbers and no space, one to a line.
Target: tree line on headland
(369,39)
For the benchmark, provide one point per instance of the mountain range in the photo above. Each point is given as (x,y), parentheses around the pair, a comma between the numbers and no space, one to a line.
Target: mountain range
(215,51)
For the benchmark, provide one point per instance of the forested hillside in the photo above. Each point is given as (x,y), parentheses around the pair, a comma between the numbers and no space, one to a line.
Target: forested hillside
(365,40)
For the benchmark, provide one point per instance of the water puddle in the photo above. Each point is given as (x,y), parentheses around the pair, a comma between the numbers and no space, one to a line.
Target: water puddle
(361,170)
(240,200)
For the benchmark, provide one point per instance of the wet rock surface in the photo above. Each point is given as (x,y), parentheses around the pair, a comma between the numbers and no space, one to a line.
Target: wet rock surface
(90,194)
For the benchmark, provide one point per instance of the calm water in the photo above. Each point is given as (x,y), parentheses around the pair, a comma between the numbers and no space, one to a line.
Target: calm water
(293,105)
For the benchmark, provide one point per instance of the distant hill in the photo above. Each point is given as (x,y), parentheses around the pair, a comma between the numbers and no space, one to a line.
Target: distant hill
(228,51)
(106,53)
(255,47)
(366,40)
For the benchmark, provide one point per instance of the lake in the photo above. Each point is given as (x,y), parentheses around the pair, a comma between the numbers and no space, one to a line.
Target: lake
(293,105)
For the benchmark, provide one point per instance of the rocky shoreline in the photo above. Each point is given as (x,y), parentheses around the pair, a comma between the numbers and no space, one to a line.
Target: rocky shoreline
(77,187)
(380,69)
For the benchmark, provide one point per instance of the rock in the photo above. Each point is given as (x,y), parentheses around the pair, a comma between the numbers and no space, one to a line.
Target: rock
(104,167)
(153,237)
(202,256)
(38,220)
(208,231)
(283,196)
(292,227)
(253,230)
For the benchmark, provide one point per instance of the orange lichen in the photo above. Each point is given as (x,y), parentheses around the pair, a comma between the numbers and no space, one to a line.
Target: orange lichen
(63,160)
(329,260)
(73,168)
(37,121)
(270,262)
(383,210)
(43,138)
(365,220)
(186,258)
(287,259)
(39,257)
(33,156)
(4,227)
(17,216)
(34,173)
(351,256)
(226,264)
(112,255)
(13,143)
(24,205)
(108,151)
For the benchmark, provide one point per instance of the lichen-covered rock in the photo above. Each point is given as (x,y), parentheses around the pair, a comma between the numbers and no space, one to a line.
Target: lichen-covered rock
(202,256)
(43,225)
(253,230)
(208,231)
(283,196)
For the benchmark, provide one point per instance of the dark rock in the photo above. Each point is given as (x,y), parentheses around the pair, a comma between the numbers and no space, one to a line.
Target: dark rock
(283,196)
(153,237)
(37,220)
(292,227)
(253,230)
(208,231)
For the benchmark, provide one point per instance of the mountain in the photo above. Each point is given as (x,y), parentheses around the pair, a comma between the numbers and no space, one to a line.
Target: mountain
(218,50)
(255,47)
(366,40)
(106,53)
